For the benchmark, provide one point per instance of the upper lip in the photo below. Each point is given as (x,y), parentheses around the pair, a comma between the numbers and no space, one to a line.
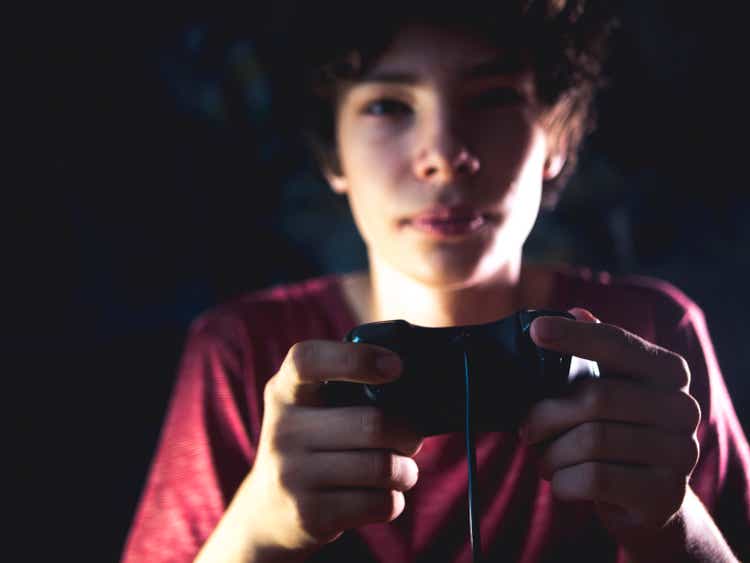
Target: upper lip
(448,213)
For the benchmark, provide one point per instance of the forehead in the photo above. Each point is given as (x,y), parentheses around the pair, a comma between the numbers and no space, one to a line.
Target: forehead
(421,53)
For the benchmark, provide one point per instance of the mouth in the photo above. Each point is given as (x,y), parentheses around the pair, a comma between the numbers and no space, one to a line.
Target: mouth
(450,222)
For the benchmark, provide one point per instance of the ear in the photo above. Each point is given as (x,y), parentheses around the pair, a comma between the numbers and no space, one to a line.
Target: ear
(339,184)
(554,164)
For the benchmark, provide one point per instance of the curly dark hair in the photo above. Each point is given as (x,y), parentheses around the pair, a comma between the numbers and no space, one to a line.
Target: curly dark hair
(563,41)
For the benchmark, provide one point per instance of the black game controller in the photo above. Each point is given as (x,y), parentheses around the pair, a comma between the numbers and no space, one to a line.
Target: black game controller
(507,373)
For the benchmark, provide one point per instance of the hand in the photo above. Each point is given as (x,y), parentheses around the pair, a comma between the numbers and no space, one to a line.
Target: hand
(320,471)
(626,441)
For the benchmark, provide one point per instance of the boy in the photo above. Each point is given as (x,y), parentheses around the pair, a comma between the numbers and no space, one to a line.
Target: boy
(446,131)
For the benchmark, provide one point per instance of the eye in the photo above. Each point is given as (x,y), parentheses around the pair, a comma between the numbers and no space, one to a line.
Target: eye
(500,97)
(386,107)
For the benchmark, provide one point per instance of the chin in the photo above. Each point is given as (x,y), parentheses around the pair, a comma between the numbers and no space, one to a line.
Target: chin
(450,265)
(443,274)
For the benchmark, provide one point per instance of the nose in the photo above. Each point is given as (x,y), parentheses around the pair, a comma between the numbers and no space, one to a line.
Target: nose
(444,158)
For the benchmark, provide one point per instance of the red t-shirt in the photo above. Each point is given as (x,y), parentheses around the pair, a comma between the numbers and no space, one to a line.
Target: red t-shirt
(211,432)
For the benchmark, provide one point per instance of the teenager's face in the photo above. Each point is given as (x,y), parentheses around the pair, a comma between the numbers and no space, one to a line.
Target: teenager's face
(443,157)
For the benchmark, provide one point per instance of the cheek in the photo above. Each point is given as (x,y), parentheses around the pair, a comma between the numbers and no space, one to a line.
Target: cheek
(378,154)
(375,170)
(371,195)
(371,183)
(369,202)
(373,150)
(524,197)
(507,142)
(372,162)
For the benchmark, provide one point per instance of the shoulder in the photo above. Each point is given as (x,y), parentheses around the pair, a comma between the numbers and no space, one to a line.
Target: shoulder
(630,289)
(651,307)
(248,337)
(307,306)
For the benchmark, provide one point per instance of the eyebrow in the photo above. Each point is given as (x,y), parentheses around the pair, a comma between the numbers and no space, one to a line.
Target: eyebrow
(390,78)
(500,66)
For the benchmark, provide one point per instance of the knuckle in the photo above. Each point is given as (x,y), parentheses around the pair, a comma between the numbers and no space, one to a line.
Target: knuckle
(696,449)
(594,398)
(691,411)
(693,454)
(302,355)
(270,391)
(681,369)
(695,412)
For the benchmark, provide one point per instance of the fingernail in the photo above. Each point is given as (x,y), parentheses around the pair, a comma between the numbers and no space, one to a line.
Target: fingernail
(583,315)
(388,364)
(549,329)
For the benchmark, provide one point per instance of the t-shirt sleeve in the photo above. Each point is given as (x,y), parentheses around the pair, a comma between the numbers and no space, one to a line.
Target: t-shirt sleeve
(721,478)
(187,489)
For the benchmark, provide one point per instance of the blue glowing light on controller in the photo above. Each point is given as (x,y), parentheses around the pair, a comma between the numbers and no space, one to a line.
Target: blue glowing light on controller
(355,339)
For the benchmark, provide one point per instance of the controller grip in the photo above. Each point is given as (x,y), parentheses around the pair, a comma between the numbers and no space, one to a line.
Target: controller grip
(507,373)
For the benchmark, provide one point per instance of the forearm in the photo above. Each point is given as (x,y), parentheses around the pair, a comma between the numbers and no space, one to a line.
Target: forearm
(691,536)
(235,539)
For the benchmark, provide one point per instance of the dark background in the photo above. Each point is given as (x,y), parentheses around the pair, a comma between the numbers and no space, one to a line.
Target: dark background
(158,182)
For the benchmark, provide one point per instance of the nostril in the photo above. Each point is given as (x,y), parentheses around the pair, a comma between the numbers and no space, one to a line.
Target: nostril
(431,166)
(465,162)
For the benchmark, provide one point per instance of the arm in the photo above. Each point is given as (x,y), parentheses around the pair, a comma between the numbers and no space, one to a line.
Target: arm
(691,535)
(233,540)
(319,471)
(315,472)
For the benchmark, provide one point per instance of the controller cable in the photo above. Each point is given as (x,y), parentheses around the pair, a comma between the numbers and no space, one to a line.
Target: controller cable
(476,541)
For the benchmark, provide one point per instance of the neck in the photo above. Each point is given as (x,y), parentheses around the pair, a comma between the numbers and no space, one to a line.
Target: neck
(387,294)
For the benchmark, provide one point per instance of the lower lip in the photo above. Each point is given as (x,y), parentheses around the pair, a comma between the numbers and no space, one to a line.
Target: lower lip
(450,228)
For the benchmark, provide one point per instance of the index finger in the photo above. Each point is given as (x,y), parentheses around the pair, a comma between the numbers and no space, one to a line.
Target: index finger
(616,350)
(311,363)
